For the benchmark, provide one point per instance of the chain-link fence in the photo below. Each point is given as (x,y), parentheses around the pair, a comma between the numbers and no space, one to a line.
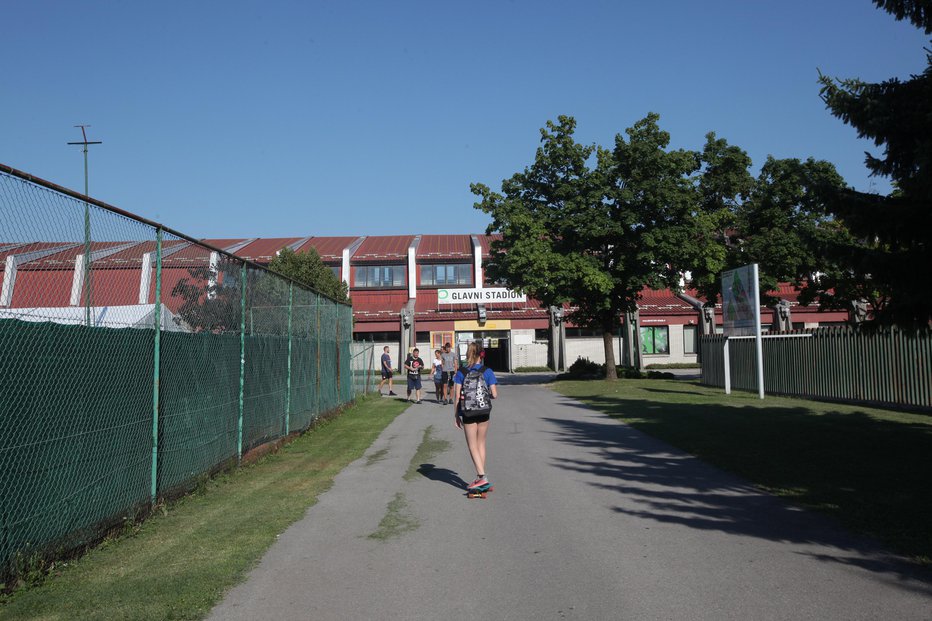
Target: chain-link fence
(134,360)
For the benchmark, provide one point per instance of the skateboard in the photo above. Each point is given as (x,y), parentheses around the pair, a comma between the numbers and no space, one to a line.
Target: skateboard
(479,492)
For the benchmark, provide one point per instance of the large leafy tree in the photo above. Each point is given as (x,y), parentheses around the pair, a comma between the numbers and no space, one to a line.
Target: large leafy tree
(893,262)
(308,269)
(784,225)
(724,182)
(592,226)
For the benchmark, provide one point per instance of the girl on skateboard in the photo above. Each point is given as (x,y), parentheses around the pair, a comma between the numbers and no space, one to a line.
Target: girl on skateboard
(475,428)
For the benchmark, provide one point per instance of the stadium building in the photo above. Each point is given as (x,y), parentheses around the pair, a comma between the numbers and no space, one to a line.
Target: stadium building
(406,290)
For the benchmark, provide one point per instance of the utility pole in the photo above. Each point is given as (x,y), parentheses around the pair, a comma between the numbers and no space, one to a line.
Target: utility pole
(87,230)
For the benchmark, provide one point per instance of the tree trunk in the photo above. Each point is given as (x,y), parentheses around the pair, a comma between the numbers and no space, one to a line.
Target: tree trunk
(608,340)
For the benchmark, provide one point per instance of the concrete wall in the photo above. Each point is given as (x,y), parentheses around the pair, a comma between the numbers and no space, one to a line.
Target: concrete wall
(588,347)
(393,352)
(594,350)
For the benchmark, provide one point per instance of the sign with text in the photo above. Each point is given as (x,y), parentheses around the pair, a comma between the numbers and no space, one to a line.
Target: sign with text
(740,308)
(479,296)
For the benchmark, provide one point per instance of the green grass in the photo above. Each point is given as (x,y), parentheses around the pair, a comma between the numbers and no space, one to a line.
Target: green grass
(429,448)
(532,370)
(869,468)
(396,521)
(178,563)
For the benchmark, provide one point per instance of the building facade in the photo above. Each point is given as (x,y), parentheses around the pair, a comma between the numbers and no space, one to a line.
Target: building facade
(399,286)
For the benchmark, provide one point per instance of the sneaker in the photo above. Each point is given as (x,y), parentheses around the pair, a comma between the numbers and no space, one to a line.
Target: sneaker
(418,401)
(392,394)
(479,482)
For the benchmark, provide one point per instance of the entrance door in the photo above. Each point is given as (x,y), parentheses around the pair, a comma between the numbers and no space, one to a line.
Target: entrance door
(495,344)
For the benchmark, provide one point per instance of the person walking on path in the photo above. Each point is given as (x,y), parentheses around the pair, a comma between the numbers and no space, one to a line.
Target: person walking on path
(414,365)
(474,386)
(449,369)
(437,373)
(386,372)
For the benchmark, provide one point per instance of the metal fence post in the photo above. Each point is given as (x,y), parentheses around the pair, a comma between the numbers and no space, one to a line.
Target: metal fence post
(288,389)
(336,342)
(242,364)
(156,355)
(318,353)
(726,362)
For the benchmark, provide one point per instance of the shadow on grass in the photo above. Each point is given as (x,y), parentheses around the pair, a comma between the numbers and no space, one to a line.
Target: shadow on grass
(869,474)
(442,475)
(674,392)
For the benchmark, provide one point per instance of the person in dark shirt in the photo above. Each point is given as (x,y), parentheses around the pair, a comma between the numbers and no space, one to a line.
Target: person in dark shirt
(414,365)
(386,372)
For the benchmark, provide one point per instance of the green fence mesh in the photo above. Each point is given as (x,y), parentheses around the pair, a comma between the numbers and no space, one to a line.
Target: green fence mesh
(131,374)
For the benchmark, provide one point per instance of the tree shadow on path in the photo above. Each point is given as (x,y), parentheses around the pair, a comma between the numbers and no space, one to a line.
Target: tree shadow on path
(661,483)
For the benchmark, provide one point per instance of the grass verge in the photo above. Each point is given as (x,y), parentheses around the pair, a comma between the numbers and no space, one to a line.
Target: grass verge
(178,563)
(429,448)
(396,521)
(869,468)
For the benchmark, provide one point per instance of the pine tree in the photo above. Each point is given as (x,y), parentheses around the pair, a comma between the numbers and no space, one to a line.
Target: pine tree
(892,262)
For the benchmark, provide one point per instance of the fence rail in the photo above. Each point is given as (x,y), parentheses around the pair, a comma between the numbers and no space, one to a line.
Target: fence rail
(891,367)
(135,359)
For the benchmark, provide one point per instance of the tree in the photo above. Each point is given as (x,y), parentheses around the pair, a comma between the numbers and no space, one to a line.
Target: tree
(308,269)
(724,182)
(595,236)
(892,260)
(211,298)
(784,225)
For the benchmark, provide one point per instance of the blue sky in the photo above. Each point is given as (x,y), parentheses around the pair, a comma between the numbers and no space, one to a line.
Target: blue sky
(266,119)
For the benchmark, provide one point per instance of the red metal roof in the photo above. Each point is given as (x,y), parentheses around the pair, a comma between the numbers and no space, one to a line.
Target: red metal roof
(132,257)
(444,247)
(20,250)
(663,302)
(224,243)
(378,305)
(388,248)
(65,259)
(330,249)
(486,240)
(263,250)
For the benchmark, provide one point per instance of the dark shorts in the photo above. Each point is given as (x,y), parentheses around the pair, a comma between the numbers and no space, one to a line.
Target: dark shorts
(386,374)
(414,383)
(482,418)
(447,377)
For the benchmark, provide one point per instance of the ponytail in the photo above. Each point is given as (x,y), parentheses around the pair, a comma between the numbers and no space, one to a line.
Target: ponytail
(472,353)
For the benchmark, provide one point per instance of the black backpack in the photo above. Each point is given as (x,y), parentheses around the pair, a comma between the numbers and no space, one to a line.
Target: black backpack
(475,396)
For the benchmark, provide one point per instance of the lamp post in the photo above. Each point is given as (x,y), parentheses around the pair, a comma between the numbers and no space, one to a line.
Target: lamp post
(87,230)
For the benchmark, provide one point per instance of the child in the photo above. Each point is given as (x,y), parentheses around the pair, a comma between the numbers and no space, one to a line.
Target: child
(475,428)
(438,375)
(414,365)
(386,372)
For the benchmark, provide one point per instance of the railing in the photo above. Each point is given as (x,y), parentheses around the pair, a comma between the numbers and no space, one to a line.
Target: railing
(135,360)
(890,367)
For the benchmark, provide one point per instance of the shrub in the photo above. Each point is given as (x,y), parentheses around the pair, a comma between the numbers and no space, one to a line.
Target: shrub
(585,367)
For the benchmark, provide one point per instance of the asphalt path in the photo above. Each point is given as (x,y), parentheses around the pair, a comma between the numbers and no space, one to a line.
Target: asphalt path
(589,519)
